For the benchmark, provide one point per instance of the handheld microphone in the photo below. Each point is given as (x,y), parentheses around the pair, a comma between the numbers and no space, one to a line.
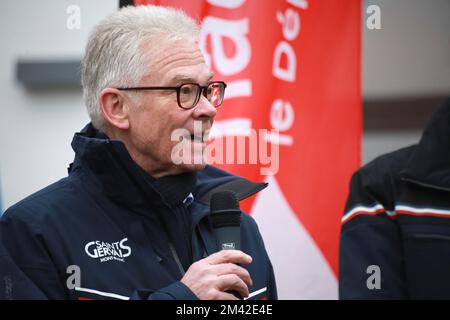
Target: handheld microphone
(226,220)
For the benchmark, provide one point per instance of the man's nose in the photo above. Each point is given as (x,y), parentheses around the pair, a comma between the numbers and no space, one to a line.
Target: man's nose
(204,109)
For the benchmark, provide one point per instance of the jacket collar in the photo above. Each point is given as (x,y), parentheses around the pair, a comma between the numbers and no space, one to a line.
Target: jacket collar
(429,164)
(115,172)
(109,162)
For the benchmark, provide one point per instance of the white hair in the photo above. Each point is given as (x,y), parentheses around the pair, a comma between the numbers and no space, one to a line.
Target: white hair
(114,55)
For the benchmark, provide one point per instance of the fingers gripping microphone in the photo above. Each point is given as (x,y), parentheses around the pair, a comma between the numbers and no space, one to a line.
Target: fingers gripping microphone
(226,220)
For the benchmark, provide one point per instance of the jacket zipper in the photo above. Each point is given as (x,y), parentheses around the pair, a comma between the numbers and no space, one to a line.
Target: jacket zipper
(177,259)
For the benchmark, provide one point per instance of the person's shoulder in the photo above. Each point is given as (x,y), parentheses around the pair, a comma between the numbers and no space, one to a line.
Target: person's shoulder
(248,220)
(387,166)
(42,203)
(378,181)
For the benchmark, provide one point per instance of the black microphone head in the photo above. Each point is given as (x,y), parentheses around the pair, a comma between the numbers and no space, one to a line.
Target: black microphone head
(224,200)
(225,210)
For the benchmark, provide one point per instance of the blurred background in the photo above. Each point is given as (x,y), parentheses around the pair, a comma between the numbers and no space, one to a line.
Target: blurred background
(406,74)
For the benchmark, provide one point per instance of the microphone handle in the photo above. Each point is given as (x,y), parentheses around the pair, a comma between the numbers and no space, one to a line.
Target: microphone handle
(228,238)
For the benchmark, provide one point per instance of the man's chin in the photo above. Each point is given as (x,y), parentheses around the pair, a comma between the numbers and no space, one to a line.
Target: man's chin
(189,167)
(188,157)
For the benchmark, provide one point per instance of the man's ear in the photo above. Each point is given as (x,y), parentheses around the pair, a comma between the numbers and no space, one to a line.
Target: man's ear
(115,108)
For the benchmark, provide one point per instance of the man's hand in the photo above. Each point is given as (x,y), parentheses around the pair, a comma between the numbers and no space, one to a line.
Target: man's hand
(210,277)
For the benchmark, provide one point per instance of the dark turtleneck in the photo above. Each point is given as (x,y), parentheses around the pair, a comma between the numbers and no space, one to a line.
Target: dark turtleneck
(177,220)
(175,188)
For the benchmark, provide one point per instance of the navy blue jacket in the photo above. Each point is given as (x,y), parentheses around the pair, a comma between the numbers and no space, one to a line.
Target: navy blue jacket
(397,222)
(105,219)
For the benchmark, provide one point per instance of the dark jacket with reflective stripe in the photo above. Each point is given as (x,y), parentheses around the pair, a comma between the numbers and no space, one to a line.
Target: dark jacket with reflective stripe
(105,220)
(395,239)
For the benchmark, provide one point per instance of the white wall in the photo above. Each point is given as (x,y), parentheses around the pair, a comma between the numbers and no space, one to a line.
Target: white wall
(36,127)
(408,58)
(410,55)
(376,143)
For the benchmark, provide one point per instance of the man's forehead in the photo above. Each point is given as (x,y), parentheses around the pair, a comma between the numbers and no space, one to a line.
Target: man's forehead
(164,51)
(178,61)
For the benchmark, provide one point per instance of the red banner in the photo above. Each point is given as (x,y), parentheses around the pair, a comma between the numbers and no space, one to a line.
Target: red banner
(291,66)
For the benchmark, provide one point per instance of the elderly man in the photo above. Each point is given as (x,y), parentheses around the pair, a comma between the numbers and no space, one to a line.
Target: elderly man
(129,221)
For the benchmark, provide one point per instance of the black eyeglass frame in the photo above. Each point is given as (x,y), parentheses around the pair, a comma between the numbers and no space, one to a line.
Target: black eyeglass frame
(202,90)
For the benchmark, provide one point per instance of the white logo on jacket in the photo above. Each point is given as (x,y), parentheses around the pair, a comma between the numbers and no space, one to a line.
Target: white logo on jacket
(106,251)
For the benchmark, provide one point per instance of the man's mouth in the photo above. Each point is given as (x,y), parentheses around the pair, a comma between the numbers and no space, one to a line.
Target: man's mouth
(196,138)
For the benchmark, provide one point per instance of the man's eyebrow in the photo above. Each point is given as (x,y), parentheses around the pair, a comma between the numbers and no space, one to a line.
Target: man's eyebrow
(182,78)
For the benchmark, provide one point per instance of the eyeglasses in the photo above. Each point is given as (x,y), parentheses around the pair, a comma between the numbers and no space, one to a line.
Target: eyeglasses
(188,94)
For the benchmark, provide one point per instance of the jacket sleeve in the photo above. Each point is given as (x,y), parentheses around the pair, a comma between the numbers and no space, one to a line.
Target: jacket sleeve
(174,291)
(15,285)
(25,262)
(273,293)
(370,257)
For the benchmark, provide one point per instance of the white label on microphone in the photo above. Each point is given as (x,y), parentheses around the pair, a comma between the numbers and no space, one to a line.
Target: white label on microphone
(228,246)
